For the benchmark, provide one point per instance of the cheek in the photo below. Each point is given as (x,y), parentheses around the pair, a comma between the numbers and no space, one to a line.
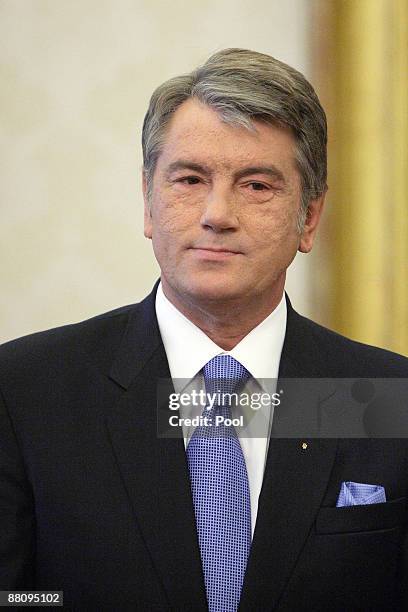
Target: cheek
(173,215)
(272,228)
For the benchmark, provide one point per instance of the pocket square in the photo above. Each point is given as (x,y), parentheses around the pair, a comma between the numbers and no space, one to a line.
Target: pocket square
(360,494)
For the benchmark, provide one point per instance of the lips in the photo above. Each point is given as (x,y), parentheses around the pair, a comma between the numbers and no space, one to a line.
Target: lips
(213,254)
(216,249)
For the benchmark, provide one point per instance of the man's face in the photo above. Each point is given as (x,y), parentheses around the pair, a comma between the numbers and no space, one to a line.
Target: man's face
(224,208)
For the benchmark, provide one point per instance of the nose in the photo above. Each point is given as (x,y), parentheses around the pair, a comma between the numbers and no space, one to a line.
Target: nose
(219,212)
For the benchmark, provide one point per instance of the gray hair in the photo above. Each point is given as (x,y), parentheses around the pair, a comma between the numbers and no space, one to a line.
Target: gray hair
(242,86)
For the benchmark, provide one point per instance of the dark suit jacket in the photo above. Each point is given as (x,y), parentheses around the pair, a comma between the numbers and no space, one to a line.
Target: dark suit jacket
(94,504)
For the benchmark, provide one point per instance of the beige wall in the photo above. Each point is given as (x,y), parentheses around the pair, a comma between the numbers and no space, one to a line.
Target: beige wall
(76,78)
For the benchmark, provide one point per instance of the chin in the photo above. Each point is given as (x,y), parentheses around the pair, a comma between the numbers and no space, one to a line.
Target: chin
(212,289)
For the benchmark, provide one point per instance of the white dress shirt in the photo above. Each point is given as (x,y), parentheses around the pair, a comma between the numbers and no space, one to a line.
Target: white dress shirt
(188,349)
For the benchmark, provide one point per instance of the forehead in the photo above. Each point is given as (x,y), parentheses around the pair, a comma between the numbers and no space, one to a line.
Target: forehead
(197,132)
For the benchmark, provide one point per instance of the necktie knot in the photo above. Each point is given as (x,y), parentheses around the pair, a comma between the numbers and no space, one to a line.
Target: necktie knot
(224,374)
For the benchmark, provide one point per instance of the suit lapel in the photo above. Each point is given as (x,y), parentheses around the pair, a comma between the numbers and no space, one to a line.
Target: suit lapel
(294,484)
(154,470)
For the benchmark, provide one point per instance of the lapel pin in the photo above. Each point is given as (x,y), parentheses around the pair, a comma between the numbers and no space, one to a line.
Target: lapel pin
(304,445)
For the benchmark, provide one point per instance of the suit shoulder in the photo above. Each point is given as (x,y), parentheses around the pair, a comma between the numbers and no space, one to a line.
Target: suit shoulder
(351,358)
(104,328)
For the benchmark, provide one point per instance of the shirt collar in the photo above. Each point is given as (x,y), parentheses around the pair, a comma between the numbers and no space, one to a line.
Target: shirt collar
(188,348)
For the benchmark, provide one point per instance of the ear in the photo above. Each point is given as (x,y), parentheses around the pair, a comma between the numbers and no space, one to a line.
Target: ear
(313,216)
(148,225)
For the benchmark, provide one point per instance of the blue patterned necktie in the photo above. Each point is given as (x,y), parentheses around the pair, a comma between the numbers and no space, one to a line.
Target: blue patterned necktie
(220,489)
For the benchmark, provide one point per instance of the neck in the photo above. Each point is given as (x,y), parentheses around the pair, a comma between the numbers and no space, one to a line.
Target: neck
(226,322)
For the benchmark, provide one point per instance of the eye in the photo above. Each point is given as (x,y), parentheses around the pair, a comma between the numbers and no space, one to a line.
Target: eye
(189,180)
(258,186)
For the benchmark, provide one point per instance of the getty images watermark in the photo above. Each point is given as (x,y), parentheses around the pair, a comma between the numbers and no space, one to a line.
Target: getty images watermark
(292,408)
(208,402)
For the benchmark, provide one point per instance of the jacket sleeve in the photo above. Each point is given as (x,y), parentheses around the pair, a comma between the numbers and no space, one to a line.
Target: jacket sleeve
(17,519)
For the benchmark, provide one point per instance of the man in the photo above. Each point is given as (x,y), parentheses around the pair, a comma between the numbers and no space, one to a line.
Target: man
(93,502)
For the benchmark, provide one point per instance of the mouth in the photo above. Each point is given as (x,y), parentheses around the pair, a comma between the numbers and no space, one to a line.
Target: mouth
(213,253)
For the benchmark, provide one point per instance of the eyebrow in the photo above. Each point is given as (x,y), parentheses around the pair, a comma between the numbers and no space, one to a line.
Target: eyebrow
(271,171)
(188,165)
